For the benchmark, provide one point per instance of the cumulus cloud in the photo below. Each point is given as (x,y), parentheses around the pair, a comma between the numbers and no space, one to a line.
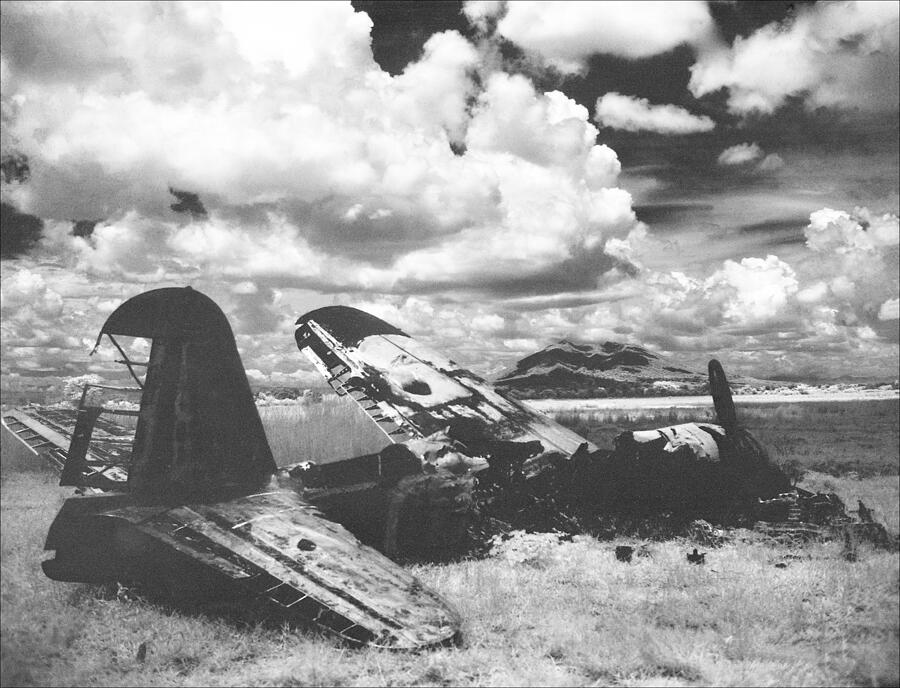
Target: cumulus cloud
(565,34)
(315,169)
(890,310)
(770,163)
(740,154)
(840,54)
(742,157)
(321,174)
(27,289)
(483,13)
(846,233)
(618,111)
(342,176)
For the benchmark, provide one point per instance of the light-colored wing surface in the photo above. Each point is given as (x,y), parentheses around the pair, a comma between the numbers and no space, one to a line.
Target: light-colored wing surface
(411,391)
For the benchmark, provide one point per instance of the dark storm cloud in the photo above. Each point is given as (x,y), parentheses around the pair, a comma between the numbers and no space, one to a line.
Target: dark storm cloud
(20,231)
(660,214)
(778,232)
(401,27)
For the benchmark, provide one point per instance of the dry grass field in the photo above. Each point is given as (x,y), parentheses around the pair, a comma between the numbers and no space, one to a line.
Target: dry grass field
(537,612)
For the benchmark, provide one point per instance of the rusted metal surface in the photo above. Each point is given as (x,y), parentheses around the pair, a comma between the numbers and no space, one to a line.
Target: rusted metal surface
(201,509)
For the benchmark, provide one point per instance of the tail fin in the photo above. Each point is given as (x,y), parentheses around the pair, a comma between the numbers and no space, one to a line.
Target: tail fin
(721,394)
(198,428)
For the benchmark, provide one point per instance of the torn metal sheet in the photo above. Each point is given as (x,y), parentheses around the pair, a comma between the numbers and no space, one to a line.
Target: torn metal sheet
(700,440)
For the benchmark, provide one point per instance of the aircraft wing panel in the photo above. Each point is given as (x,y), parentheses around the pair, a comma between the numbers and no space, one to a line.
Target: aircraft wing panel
(48,432)
(413,392)
(277,545)
(35,433)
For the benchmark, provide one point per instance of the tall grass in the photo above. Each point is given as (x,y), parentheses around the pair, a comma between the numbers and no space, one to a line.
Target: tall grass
(862,437)
(332,429)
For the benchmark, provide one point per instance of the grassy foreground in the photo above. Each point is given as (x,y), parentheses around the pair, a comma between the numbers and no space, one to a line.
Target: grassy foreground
(538,612)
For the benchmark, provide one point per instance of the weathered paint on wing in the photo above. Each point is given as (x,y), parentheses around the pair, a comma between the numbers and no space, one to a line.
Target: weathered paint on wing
(277,545)
(413,392)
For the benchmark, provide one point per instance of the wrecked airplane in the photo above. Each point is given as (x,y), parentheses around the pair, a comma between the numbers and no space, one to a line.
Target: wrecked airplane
(191,505)
(466,460)
(196,495)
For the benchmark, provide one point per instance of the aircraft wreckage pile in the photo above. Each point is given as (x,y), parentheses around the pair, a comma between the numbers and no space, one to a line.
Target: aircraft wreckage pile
(191,502)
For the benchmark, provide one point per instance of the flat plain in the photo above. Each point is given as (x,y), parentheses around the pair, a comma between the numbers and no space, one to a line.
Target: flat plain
(536,612)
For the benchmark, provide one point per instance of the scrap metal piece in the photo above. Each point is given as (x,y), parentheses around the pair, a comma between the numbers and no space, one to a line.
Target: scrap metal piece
(200,513)
(699,440)
(696,557)
(623,553)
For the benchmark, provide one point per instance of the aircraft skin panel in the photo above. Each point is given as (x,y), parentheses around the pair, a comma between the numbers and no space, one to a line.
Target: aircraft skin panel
(36,435)
(421,392)
(307,565)
(48,432)
(700,439)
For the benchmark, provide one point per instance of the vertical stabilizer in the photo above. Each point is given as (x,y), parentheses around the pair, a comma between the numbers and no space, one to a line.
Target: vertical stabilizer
(721,394)
(198,428)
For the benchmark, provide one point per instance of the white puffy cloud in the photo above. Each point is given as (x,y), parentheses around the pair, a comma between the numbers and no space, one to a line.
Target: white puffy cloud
(28,289)
(436,87)
(480,13)
(545,129)
(759,288)
(770,163)
(323,174)
(740,154)
(618,111)
(316,168)
(889,310)
(836,54)
(839,231)
(38,333)
(565,34)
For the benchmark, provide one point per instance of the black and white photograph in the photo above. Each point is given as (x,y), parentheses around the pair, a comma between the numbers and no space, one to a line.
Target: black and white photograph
(450,343)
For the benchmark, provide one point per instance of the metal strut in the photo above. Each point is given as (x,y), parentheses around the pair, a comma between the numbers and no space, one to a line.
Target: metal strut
(126,360)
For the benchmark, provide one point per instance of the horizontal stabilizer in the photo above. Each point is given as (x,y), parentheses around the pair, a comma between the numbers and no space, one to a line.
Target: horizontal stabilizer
(279,547)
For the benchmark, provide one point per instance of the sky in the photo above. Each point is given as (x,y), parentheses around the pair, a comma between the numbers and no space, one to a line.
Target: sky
(705,180)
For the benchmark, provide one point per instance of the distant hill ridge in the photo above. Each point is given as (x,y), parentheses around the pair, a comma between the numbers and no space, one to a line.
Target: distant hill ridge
(572,369)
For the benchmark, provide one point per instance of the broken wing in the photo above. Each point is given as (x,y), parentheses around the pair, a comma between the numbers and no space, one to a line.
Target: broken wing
(412,392)
(49,432)
(277,548)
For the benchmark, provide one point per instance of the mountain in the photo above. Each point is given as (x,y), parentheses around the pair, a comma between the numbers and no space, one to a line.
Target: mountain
(572,370)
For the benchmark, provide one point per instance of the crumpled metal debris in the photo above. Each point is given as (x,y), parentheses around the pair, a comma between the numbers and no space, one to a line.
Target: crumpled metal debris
(803,515)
